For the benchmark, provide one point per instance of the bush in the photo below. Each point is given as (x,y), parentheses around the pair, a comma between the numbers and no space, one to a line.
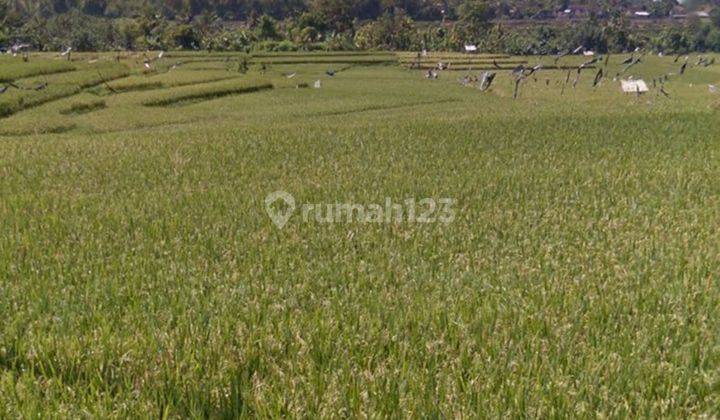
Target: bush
(265,46)
(713,40)
(184,36)
(391,31)
(239,40)
(285,46)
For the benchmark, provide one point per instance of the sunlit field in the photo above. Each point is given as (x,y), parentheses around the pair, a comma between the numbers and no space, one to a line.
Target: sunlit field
(140,275)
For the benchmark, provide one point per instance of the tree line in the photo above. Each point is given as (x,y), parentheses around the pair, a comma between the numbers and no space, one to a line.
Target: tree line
(287,25)
(334,10)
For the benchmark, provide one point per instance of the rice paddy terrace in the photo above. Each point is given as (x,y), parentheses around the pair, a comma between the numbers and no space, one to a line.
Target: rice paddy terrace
(140,273)
(49,94)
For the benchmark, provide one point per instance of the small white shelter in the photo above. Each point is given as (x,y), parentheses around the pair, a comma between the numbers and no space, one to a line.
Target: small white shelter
(634,86)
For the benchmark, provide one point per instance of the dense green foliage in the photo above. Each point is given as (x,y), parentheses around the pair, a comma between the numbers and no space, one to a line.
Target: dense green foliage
(336,10)
(96,25)
(140,275)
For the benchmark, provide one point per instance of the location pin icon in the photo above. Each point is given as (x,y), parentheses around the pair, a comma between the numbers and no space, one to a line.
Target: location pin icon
(278,215)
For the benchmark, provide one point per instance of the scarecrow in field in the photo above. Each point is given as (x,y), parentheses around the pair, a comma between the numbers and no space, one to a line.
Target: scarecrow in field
(598,78)
(567,80)
(705,62)
(561,55)
(516,93)
(21,48)
(243,65)
(631,64)
(583,66)
(684,66)
(534,70)
(417,62)
(664,92)
(628,60)
(66,53)
(588,63)
(518,70)
(487,80)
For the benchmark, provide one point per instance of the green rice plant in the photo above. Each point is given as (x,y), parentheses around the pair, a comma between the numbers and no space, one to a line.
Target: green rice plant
(439,55)
(205,92)
(38,129)
(506,61)
(17,100)
(314,54)
(140,272)
(56,86)
(13,68)
(198,55)
(126,85)
(331,59)
(173,78)
(83,107)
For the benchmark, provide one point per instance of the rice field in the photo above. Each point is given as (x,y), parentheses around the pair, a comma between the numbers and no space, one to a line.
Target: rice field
(140,275)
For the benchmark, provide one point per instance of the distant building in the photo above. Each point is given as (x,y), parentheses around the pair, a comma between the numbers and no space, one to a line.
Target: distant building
(678,12)
(575,12)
